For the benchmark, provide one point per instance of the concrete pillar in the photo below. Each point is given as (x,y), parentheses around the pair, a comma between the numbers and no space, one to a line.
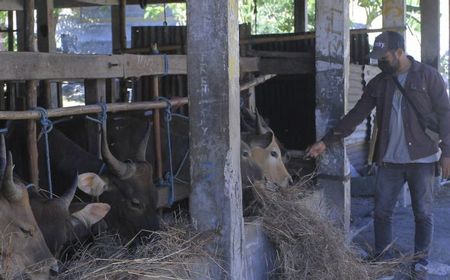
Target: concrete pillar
(213,84)
(394,13)
(332,73)
(430,39)
(300,15)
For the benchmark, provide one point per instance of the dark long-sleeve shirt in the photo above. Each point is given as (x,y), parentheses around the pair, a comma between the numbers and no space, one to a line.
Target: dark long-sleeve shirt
(426,88)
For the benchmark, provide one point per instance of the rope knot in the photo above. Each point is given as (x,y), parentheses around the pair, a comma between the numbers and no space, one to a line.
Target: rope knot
(46,123)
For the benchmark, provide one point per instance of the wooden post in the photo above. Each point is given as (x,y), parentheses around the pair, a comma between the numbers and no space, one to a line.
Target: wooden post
(157,125)
(332,74)
(46,43)
(95,92)
(115,29)
(11,85)
(213,84)
(119,37)
(430,33)
(123,24)
(31,93)
(300,15)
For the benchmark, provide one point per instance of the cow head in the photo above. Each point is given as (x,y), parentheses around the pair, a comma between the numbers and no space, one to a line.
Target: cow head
(23,248)
(250,170)
(128,188)
(60,227)
(264,147)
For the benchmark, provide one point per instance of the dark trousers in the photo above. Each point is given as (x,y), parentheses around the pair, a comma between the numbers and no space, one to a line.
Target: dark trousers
(390,179)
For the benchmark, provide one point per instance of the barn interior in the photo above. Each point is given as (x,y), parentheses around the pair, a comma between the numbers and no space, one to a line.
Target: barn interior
(194,79)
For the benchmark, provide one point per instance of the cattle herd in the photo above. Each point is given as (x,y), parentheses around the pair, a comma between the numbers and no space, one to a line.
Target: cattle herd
(117,191)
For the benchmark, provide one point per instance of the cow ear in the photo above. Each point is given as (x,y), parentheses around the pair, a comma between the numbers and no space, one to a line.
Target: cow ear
(90,214)
(92,184)
(263,140)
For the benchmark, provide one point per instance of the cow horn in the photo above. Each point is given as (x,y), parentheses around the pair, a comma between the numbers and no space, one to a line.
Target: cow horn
(260,129)
(67,197)
(114,165)
(142,148)
(9,188)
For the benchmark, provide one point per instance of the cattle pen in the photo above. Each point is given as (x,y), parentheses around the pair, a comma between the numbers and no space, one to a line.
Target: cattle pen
(209,70)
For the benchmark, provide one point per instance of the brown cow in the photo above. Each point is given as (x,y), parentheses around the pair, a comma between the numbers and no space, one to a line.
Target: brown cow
(128,188)
(265,149)
(23,248)
(60,227)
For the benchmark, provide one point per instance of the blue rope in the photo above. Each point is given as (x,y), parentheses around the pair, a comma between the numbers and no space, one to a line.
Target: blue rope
(169,175)
(102,117)
(47,126)
(102,169)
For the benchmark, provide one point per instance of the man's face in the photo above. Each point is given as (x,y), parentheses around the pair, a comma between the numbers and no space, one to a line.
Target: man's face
(389,63)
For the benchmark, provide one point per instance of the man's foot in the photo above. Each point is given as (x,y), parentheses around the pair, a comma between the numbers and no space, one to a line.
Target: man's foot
(419,271)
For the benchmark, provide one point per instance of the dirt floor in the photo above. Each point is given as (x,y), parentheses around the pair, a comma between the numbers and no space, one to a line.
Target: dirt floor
(362,225)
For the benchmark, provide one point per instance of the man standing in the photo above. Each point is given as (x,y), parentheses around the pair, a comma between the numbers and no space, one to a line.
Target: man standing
(403,93)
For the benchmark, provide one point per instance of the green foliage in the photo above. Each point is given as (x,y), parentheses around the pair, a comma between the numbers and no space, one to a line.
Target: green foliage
(273,16)
(156,12)
(311,12)
(443,64)
(373,9)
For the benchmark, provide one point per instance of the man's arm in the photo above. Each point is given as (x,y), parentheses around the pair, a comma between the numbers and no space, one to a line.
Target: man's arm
(346,125)
(441,105)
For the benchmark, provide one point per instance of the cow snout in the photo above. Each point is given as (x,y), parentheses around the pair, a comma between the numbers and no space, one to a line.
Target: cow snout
(54,268)
(290,181)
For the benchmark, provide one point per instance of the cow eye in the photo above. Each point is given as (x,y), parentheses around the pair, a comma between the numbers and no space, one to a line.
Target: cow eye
(135,203)
(274,154)
(28,232)
(245,154)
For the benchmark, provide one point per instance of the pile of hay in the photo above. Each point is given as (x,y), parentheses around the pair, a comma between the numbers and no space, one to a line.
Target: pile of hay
(307,246)
(177,252)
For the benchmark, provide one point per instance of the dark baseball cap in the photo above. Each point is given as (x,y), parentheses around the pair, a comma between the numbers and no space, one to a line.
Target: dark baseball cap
(386,41)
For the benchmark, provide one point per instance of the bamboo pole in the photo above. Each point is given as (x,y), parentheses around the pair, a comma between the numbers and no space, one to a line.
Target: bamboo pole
(31,94)
(92,109)
(149,49)
(256,81)
(157,124)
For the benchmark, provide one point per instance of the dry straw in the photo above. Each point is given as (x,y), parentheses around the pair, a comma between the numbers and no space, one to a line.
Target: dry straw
(307,246)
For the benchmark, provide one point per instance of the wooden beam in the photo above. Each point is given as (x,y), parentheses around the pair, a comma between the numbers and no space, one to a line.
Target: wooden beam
(35,66)
(85,3)
(255,82)
(286,66)
(29,66)
(11,5)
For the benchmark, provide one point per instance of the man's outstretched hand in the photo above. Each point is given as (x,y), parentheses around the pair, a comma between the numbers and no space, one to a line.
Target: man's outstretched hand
(445,165)
(316,149)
